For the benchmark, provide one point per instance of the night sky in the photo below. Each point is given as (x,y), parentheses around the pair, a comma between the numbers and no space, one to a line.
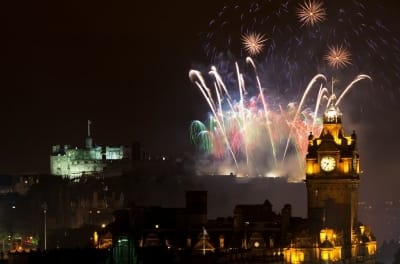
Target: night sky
(124,65)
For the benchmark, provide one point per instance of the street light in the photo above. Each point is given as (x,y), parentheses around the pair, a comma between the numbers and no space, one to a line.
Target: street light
(245,234)
(44,206)
(13,224)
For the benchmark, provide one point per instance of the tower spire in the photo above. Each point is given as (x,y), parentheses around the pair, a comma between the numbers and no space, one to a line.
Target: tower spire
(89,141)
(88,127)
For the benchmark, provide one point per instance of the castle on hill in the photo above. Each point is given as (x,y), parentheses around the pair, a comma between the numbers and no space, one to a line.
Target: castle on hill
(74,162)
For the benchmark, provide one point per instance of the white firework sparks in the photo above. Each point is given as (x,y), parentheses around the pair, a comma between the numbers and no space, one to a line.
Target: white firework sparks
(338,56)
(311,12)
(253,43)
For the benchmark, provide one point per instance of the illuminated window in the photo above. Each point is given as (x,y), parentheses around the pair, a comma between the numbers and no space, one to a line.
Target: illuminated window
(221,242)
(325,255)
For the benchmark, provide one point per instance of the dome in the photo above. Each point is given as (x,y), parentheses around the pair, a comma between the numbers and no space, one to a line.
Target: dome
(326,244)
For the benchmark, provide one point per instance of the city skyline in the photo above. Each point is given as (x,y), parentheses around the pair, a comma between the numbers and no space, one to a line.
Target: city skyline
(125,67)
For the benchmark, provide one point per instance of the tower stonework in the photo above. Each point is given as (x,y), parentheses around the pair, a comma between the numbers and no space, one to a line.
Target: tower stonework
(333,178)
(332,232)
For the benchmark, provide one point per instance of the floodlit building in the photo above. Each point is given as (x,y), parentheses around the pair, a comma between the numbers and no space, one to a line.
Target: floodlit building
(333,233)
(74,162)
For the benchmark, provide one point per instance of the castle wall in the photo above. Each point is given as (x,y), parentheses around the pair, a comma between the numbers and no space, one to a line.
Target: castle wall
(76,162)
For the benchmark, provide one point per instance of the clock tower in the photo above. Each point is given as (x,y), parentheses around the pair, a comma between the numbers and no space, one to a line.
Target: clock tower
(332,178)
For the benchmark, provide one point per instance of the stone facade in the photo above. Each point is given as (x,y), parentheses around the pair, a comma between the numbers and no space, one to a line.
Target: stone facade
(333,233)
(75,162)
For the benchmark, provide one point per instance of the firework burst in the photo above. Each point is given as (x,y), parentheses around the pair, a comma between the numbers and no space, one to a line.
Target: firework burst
(337,56)
(253,128)
(249,134)
(362,27)
(311,12)
(253,43)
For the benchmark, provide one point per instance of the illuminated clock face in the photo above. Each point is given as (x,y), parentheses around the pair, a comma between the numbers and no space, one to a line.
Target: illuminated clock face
(328,163)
